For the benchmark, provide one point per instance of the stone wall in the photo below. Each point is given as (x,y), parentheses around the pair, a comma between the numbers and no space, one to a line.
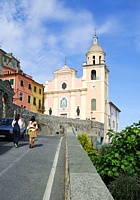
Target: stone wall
(6,97)
(52,125)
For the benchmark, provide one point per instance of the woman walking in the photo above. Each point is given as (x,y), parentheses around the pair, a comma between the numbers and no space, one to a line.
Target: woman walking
(16,124)
(32,131)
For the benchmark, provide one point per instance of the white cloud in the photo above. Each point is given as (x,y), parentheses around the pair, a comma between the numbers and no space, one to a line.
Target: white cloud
(41,33)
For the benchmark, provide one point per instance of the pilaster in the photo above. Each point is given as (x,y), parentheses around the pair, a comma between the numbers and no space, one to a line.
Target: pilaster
(72,104)
(83,105)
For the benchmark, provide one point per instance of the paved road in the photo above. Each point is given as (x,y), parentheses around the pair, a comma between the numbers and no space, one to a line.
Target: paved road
(33,174)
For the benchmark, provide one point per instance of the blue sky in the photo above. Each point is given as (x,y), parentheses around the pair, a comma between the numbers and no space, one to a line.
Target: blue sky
(41,33)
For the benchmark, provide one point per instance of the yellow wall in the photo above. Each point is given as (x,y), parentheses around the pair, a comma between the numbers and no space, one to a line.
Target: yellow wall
(37,97)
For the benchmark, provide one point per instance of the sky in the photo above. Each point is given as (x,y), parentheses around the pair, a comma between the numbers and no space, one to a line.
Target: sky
(43,34)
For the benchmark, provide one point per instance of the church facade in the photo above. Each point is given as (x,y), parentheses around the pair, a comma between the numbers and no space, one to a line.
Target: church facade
(82,98)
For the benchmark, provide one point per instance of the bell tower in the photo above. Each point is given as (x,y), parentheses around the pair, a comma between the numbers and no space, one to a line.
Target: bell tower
(95,76)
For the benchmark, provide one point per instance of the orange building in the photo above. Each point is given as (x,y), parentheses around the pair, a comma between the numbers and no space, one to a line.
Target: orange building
(28,93)
(21,84)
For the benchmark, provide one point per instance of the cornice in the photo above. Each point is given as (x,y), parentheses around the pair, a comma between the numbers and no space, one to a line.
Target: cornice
(66,91)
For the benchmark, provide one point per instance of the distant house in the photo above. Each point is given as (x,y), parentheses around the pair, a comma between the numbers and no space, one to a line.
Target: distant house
(114,120)
(23,85)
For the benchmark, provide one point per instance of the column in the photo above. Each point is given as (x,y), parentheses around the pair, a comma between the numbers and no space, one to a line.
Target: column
(83,105)
(55,105)
(46,104)
(72,105)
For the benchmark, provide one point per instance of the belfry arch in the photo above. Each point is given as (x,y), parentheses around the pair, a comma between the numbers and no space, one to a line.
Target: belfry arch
(6,99)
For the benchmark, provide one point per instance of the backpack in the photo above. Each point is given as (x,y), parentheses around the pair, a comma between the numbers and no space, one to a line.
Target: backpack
(16,127)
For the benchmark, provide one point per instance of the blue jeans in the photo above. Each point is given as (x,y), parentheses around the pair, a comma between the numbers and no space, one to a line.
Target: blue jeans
(16,136)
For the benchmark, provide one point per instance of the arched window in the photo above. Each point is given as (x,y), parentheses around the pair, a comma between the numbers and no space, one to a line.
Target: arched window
(93,75)
(93,60)
(93,104)
(99,59)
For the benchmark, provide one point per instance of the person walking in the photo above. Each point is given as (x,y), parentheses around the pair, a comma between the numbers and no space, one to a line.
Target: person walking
(16,124)
(32,131)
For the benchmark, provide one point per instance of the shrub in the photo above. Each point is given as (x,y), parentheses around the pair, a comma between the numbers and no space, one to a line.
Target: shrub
(85,141)
(87,145)
(125,187)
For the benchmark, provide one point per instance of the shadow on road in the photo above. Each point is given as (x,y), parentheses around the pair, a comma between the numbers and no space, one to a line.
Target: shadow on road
(4,149)
(23,144)
(38,145)
(6,144)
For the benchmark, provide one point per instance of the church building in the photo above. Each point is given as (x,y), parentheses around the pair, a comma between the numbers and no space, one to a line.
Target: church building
(82,98)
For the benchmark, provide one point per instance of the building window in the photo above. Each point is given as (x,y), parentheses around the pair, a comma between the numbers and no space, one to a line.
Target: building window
(34,101)
(9,72)
(39,91)
(29,86)
(34,88)
(99,59)
(113,124)
(21,83)
(93,75)
(29,99)
(64,86)
(39,104)
(93,60)
(5,58)
(20,96)
(93,104)
(12,81)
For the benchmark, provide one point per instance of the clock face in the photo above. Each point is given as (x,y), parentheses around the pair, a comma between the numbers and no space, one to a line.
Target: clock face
(93,86)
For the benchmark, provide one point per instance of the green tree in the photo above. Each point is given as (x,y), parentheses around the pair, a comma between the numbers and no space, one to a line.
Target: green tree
(121,156)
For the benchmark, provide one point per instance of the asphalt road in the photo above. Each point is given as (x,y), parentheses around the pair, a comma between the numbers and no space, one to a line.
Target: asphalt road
(33,174)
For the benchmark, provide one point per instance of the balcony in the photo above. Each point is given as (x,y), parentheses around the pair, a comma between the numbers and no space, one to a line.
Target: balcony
(41,108)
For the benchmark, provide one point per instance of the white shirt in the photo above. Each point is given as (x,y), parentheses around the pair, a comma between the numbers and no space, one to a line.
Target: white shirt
(20,123)
(32,126)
